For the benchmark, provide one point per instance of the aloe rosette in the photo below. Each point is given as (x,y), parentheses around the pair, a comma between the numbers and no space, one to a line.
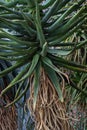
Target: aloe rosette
(34,35)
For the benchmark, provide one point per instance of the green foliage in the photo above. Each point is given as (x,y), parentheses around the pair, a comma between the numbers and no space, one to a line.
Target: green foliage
(33,33)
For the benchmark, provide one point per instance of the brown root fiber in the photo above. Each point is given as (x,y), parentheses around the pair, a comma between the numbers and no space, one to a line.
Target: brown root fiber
(49,113)
(8,116)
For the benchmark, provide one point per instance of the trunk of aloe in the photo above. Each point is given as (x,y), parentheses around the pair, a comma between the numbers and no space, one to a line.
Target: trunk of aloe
(49,113)
(8,120)
(8,116)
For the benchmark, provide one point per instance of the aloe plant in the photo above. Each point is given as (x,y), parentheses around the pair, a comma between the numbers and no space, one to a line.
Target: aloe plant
(34,35)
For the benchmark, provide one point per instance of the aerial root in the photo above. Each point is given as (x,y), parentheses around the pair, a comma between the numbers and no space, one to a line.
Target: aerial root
(8,116)
(50,112)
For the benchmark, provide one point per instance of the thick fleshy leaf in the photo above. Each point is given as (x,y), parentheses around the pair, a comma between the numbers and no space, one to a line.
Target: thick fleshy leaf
(16,65)
(49,63)
(36,83)
(19,96)
(60,52)
(68,64)
(19,78)
(16,79)
(55,81)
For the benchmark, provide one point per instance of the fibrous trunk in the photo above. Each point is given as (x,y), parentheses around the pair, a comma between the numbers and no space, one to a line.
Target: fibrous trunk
(8,116)
(50,112)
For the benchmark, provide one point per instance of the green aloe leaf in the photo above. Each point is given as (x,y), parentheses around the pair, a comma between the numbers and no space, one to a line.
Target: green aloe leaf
(58,22)
(47,4)
(68,34)
(38,25)
(19,89)
(17,79)
(36,83)
(49,63)
(60,52)
(19,96)
(68,64)
(14,38)
(8,70)
(55,81)
(51,10)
